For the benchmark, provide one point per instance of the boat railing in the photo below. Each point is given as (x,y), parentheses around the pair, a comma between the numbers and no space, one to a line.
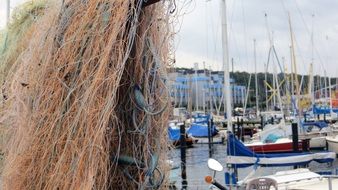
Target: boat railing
(321,177)
(329,179)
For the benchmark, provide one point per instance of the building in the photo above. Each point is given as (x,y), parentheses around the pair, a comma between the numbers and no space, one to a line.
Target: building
(202,89)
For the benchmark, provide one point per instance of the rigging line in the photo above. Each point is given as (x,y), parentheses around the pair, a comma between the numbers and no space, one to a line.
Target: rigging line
(277,59)
(268,30)
(327,47)
(232,31)
(207,28)
(307,29)
(303,63)
(232,14)
(300,56)
(180,13)
(245,32)
(214,39)
(233,40)
(306,26)
(247,94)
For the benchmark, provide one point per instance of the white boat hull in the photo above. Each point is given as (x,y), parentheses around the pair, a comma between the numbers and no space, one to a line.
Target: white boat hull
(332,144)
(318,142)
(301,179)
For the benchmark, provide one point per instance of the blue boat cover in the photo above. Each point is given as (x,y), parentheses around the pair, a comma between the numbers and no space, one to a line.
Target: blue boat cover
(201,118)
(319,124)
(271,138)
(323,110)
(201,130)
(239,156)
(174,133)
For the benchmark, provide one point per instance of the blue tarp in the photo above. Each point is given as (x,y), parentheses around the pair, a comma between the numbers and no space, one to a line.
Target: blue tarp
(174,134)
(240,156)
(323,110)
(201,130)
(201,118)
(271,138)
(319,124)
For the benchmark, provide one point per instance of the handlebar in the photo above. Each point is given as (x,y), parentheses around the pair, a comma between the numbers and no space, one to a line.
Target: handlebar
(212,181)
(218,185)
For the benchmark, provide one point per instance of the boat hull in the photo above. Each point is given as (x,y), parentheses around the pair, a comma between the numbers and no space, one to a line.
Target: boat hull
(332,144)
(274,147)
(318,143)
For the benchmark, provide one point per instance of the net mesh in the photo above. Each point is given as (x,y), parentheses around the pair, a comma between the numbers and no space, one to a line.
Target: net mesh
(86,88)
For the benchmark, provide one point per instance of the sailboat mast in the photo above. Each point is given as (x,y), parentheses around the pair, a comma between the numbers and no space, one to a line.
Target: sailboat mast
(196,86)
(292,83)
(256,79)
(226,89)
(325,86)
(330,94)
(311,81)
(267,64)
(266,87)
(293,57)
(311,85)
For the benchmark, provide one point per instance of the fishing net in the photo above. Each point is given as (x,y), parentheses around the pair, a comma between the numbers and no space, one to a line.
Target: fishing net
(15,38)
(86,104)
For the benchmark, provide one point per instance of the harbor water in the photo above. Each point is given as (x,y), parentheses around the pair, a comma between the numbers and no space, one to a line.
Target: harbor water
(197,169)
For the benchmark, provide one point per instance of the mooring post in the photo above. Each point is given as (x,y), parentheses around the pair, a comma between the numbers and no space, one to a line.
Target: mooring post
(294,137)
(234,129)
(209,138)
(306,145)
(183,157)
(238,129)
(212,125)
(262,122)
(242,130)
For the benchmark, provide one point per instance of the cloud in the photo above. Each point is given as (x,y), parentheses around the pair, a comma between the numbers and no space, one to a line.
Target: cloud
(200,34)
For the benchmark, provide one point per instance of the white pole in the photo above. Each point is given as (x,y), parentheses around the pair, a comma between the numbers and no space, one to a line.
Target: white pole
(227,89)
(330,93)
(325,89)
(266,87)
(203,91)
(196,90)
(312,62)
(256,79)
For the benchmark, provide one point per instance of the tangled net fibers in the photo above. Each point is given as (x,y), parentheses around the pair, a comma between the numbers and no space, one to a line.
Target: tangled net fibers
(86,101)
(15,38)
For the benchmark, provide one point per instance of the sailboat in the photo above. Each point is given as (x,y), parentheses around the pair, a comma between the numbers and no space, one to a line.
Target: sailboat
(275,137)
(239,155)
(332,140)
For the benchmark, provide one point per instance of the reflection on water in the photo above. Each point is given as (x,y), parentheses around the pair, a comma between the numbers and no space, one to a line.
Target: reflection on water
(197,165)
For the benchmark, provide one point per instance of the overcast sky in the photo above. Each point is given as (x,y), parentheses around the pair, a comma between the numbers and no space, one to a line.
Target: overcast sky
(199,33)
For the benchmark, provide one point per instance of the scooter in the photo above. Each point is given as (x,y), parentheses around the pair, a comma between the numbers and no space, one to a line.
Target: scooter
(216,167)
